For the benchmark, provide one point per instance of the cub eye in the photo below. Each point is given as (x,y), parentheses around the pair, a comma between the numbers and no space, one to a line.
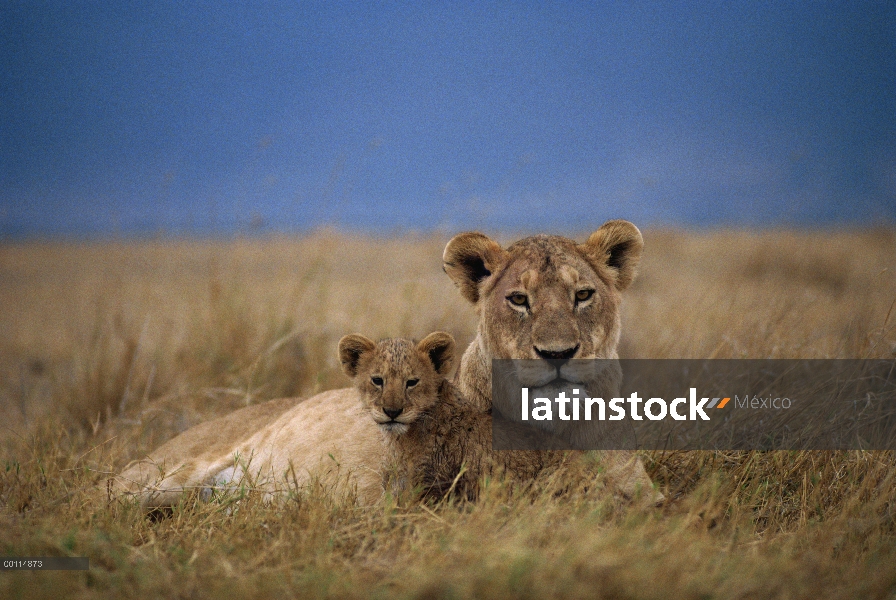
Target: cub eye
(412,382)
(583,295)
(377,381)
(518,299)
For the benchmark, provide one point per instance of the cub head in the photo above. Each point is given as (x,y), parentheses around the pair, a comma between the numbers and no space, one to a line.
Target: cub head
(547,297)
(399,380)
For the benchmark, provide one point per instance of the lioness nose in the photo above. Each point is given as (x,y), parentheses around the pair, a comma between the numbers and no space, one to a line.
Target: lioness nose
(392,413)
(559,356)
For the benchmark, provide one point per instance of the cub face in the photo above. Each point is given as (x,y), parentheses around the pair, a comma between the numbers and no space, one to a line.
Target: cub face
(399,381)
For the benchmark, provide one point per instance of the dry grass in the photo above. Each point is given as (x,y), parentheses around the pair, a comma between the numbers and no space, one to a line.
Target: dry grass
(107,350)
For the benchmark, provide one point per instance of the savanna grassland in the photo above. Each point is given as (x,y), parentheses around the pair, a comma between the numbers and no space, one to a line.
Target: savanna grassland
(109,349)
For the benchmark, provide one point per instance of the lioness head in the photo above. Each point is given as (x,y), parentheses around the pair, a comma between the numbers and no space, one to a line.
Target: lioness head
(399,380)
(547,297)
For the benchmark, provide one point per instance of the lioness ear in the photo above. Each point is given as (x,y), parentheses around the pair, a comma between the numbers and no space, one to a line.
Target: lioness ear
(468,259)
(438,347)
(618,245)
(351,349)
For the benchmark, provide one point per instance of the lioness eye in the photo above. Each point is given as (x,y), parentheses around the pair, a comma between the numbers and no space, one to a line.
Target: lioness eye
(518,299)
(413,382)
(377,381)
(583,295)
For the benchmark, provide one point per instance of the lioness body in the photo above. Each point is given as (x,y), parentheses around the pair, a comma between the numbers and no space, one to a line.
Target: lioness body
(276,447)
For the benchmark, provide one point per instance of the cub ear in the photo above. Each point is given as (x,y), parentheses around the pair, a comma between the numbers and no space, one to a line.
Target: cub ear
(618,245)
(468,259)
(438,347)
(351,349)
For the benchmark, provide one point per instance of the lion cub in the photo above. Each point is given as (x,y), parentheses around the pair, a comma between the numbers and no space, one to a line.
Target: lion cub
(434,437)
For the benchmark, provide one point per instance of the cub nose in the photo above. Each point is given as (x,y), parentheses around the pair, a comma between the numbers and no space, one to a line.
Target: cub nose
(558,357)
(392,413)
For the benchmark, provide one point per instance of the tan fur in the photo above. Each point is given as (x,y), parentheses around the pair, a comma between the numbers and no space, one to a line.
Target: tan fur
(437,440)
(548,271)
(275,447)
(188,460)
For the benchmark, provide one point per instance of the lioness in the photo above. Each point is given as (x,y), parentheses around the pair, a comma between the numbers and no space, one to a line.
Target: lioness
(543,297)
(435,440)
(547,297)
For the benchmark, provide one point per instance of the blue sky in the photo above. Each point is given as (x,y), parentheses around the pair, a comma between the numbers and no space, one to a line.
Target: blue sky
(139,117)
